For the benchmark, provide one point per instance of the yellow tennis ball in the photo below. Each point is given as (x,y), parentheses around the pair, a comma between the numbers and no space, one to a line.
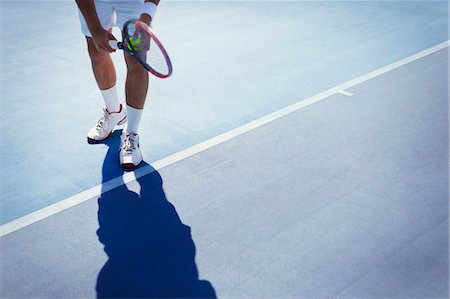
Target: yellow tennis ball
(133,42)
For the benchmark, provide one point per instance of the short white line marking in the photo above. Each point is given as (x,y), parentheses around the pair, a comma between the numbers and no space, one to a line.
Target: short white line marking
(345,93)
(69,202)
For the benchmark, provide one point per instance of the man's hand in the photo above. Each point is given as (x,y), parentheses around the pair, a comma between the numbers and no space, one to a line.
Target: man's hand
(99,35)
(139,43)
(145,18)
(101,38)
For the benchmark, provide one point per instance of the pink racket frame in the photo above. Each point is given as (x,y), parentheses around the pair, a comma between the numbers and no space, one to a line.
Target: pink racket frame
(145,27)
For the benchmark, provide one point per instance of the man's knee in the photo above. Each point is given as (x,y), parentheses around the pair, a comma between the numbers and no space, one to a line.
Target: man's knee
(133,64)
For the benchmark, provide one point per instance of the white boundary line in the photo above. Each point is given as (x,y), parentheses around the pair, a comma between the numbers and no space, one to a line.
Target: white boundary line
(346,93)
(69,202)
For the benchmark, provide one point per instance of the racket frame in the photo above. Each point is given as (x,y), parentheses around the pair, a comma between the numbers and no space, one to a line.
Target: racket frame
(123,46)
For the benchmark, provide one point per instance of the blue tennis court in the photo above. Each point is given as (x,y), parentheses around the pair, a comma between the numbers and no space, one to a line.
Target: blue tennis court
(300,150)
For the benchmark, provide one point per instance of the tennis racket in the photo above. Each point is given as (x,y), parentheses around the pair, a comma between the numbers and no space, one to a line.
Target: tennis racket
(139,40)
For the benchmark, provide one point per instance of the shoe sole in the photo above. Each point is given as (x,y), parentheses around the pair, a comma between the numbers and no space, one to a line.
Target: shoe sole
(130,166)
(93,141)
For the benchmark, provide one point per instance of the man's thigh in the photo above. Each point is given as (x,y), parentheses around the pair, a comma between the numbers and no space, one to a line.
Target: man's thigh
(106,15)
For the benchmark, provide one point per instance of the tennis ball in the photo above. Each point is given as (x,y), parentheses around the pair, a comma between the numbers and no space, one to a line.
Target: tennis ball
(133,42)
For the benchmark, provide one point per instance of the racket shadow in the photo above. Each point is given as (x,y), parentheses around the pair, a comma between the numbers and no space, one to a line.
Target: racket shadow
(151,253)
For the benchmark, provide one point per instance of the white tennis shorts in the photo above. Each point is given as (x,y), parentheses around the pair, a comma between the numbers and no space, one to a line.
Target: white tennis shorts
(113,13)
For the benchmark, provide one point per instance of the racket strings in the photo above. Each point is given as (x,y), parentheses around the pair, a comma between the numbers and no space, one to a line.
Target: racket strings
(156,59)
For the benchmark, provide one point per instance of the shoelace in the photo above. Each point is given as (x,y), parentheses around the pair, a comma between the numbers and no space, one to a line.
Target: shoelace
(129,144)
(102,123)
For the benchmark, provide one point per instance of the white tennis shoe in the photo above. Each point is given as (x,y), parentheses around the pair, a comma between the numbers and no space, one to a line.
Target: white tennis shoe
(106,124)
(130,153)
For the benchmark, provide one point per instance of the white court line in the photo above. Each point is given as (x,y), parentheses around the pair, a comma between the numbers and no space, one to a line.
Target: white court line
(64,204)
(346,93)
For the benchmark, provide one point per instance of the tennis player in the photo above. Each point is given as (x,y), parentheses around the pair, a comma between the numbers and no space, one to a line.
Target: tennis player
(97,17)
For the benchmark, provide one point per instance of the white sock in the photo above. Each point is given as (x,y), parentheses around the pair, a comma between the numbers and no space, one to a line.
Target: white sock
(111,99)
(134,118)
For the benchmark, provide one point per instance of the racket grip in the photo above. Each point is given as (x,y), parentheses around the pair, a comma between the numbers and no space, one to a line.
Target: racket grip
(113,44)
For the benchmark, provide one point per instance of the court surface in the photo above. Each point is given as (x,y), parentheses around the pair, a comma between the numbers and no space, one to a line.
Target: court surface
(300,150)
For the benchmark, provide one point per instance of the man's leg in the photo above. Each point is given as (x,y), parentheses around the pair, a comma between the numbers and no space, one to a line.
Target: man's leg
(105,75)
(136,86)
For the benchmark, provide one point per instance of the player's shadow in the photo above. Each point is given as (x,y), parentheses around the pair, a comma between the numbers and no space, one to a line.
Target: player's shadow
(150,251)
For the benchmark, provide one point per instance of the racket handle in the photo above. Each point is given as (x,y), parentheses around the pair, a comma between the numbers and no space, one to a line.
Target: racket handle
(113,44)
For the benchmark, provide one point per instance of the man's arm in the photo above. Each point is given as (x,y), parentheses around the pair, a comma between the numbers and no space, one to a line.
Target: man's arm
(146,18)
(99,35)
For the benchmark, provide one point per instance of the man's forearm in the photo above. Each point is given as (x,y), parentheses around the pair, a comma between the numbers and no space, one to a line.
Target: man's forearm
(145,16)
(87,8)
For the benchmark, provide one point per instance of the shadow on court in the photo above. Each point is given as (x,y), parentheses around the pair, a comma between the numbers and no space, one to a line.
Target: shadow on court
(150,251)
